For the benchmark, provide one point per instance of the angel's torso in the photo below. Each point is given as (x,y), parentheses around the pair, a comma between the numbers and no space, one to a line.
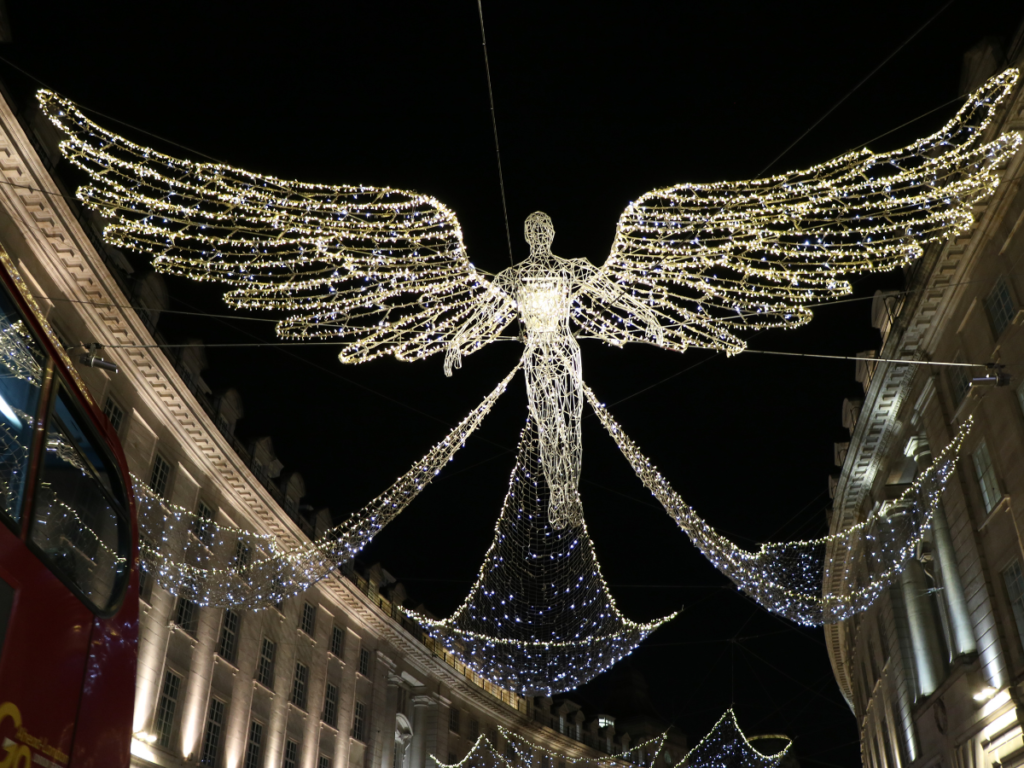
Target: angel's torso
(543,288)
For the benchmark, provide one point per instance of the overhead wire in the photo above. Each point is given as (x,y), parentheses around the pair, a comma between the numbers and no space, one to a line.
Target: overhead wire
(494,123)
(849,93)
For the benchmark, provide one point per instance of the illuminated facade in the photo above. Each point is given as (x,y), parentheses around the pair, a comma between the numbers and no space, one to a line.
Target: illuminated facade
(330,678)
(933,670)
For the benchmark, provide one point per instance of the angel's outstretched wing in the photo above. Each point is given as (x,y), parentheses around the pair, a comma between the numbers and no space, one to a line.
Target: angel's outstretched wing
(382,270)
(707,260)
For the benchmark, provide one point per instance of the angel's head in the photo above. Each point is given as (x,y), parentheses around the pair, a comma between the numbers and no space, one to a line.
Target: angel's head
(540,232)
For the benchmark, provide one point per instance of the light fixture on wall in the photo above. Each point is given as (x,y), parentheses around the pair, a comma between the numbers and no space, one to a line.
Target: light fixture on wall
(91,359)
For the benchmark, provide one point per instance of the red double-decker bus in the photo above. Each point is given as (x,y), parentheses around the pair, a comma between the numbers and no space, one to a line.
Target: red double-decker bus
(69,608)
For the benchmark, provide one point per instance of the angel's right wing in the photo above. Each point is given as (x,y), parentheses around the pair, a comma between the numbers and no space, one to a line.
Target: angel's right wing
(704,262)
(384,271)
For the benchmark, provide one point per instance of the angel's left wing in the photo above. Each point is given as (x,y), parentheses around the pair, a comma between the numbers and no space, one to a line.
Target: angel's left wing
(703,261)
(384,271)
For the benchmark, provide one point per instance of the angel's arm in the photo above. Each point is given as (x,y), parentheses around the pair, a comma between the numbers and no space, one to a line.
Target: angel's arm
(600,288)
(494,311)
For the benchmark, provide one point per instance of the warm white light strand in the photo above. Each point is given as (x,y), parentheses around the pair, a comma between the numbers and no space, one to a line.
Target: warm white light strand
(215,565)
(727,745)
(786,578)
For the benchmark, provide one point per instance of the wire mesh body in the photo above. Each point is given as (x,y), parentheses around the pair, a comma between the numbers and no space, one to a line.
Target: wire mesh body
(540,619)
(786,578)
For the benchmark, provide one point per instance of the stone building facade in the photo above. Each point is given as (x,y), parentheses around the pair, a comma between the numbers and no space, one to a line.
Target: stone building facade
(331,678)
(933,670)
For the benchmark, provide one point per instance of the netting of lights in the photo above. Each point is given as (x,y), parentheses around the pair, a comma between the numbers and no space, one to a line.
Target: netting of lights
(726,746)
(385,271)
(540,619)
(786,578)
(214,565)
(521,753)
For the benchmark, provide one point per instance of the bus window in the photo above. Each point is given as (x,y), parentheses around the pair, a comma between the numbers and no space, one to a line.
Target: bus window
(21,375)
(79,523)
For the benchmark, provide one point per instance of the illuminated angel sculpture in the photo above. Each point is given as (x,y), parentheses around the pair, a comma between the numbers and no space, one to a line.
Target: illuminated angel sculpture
(385,272)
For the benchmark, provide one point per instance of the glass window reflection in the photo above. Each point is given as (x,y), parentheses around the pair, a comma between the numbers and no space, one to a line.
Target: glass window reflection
(21,376)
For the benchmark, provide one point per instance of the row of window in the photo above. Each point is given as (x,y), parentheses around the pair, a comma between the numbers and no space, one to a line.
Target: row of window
(215,719)
(186,617)
(1001,311)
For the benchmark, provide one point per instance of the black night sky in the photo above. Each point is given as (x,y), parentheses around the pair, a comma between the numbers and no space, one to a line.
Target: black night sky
(596,103)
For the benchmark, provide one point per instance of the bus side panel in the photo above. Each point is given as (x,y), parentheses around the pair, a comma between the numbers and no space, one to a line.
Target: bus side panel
(103,734)
(44,655)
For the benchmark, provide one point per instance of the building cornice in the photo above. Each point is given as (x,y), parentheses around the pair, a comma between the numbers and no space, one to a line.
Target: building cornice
(62,246)
(935,286)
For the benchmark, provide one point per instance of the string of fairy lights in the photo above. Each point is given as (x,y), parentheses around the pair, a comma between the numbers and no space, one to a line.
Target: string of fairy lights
(520,752)
(786,578)
(727,745)
(215,565)
(724,745)
(540,619)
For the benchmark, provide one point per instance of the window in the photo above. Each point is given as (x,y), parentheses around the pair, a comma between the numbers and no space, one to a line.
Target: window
(403,699)
(561,724)
(1020,397)
(359,722)
(999,304)
(253,746)
(291,754)
(308,624)
(959,380)
(165,708)
(1015,591)
(243,555)
(186,615)
(201,527)
(323,762)
(145,585)
(80,523)
(986,476)
(299,685)
(364,662)
(452,758)
(545,761)
(474,729)
(453,720)
(510,751)
(21,373)
(228,644)
(337,641)
(223,425)
(161,471)
(330,715)
(114,414)
(211,738)
(265,667)
(258,470)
